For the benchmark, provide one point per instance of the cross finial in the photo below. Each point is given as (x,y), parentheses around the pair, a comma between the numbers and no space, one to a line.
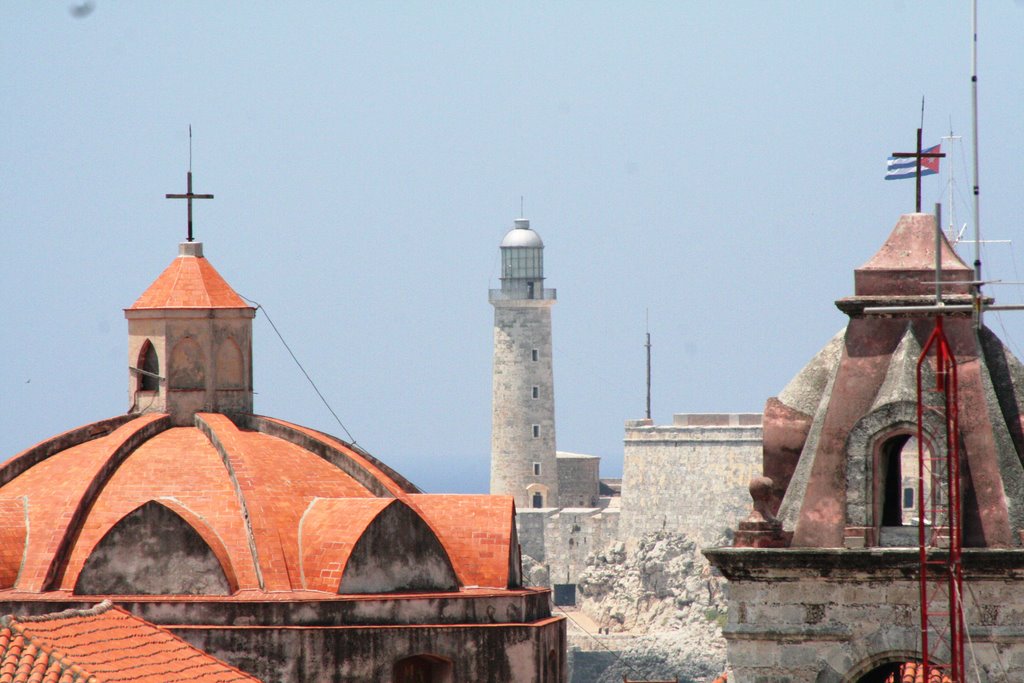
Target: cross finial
(189,196)
(920,156)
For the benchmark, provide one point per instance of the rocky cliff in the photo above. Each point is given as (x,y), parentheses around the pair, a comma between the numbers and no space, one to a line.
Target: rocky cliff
(665,592)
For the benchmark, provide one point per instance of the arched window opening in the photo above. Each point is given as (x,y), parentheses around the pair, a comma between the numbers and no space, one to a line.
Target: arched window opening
(897,495)
(423,669)
(890,473)
(149,378)
(537,495)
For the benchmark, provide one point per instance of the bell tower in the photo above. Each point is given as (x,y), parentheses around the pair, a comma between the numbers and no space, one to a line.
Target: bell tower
(189,342)
(523,405)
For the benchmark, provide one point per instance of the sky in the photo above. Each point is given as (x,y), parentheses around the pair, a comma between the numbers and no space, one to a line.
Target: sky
(712,170)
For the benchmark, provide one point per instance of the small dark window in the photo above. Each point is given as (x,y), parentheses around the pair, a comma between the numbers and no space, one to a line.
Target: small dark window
(538,500)
(908,498)
(565,594)
(536,392)
(534,354)
(150,366)
(536,469)
(536,431)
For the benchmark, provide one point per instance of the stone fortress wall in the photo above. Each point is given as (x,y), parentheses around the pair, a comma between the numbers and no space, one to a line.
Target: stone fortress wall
(691,476)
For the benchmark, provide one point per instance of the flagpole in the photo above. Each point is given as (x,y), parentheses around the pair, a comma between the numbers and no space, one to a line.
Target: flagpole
(952,234)
(974,126)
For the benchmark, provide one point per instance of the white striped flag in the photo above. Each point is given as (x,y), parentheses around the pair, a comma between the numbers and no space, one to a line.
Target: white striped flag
(906,167)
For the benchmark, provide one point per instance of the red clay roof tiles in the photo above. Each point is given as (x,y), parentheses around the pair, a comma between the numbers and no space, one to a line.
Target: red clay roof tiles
(476,530)
(104,644)
(189,282)
(326,544)
(13,533)
(913,672)
(243,491)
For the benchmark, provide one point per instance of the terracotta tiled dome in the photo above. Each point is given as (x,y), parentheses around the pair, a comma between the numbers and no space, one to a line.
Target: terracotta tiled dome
(190,493)
(276,506)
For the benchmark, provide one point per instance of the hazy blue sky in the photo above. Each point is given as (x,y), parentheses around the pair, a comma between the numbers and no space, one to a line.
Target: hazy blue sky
(718,163)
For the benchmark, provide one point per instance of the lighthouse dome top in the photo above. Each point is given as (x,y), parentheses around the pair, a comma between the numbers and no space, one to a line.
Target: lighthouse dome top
(522,236)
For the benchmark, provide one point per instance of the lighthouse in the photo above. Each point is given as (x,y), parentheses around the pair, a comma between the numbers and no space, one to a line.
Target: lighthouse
(523,404)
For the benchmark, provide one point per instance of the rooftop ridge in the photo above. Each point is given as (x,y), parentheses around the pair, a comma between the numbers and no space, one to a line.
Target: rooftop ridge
(70,613)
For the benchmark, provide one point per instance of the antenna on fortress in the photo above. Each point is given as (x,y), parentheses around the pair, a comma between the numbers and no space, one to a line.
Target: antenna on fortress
(647,321)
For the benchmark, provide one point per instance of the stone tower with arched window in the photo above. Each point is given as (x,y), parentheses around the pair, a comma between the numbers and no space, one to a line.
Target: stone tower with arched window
(190,342)
(523,461)
(823,574)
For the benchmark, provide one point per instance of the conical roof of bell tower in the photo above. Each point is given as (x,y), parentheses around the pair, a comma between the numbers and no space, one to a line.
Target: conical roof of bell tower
(190,281)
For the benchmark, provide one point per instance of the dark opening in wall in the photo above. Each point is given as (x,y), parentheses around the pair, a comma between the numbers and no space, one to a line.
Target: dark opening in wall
(565,594)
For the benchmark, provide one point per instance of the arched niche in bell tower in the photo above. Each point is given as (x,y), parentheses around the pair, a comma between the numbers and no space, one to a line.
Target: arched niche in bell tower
(149,364)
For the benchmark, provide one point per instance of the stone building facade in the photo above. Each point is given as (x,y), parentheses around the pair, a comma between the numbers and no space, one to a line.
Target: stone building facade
(720,450)
(579,480)
(823,574)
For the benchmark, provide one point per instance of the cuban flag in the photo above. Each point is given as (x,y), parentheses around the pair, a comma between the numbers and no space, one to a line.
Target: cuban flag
(904,167)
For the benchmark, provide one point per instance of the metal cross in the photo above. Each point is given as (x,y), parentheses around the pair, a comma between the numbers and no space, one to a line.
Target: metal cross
(919,155)
(189,195)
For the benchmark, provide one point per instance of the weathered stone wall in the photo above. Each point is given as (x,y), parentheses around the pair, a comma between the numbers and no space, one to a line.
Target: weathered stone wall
(689,477)
(152,551)
(523,420)
(833,615)
(519,654)
(561,539)
(505,636)
(586,665)
(578,480)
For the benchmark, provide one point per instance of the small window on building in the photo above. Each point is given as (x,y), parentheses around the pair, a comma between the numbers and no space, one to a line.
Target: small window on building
(536,392)
(538,499)
(908,498)
(536,431)
(536,469)
(150,367)
(534,354)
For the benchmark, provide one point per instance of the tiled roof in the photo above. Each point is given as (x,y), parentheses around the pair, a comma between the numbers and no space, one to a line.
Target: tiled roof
(477,532)
(104,644)
(243,491)
(327,545)
(189,282)
(912,672)
(12,539)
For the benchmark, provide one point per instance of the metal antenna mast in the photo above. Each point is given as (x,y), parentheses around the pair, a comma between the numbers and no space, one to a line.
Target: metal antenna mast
(648,347)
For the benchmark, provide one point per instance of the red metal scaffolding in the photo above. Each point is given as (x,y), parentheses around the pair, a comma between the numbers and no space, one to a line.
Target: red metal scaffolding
(940,536)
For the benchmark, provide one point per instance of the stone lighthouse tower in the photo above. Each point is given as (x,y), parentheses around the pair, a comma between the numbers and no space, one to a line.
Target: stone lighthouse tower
(523,420)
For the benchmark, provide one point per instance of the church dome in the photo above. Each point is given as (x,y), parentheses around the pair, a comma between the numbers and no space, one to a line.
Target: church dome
(136,505)
(522,236)
(191,493)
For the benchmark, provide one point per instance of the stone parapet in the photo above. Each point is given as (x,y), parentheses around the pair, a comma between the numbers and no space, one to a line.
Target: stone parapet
(832,615)
(691,476)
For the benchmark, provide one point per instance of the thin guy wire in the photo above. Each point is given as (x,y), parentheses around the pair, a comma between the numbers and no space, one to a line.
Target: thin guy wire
(618,655)
(337,419)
